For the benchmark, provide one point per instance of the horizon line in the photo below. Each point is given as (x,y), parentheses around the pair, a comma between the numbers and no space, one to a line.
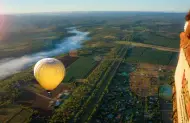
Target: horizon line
(91,11)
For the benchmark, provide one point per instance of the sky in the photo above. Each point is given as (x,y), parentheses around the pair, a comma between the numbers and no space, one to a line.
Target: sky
(33,6)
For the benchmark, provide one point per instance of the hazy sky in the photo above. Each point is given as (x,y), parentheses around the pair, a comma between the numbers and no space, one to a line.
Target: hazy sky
(26,6)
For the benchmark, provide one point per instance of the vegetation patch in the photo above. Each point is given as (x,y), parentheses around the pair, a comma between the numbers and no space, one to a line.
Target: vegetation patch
(80,68)
(152,56)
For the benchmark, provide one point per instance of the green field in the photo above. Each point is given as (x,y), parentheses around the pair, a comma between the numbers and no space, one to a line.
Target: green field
(80,68)
(157,38)
(152,56)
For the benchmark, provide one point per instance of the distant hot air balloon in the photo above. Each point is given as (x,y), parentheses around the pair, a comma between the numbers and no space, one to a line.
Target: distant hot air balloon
(49,72)
(165,92)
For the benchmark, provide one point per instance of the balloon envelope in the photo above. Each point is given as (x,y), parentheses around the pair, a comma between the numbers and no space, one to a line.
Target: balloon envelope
(49,72)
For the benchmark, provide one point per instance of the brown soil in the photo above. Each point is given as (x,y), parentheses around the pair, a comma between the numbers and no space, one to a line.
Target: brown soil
(144,81)
(68,60)
(31,98)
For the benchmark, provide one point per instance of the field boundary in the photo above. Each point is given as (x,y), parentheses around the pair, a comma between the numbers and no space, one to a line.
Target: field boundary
(148,46)
(110,71)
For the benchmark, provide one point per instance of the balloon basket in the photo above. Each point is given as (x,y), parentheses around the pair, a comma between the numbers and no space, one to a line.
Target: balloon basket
(49,94)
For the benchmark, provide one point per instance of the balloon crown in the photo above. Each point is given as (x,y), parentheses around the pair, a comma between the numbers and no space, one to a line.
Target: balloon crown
(51,60)
(187,26)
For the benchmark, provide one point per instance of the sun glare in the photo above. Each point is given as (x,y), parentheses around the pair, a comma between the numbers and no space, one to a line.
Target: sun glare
(2,20)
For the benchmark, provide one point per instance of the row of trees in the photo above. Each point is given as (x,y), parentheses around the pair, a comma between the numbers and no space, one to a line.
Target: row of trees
(100,98)
(93,95)
(96,74)
(67,110)
(113,70)
(97,91)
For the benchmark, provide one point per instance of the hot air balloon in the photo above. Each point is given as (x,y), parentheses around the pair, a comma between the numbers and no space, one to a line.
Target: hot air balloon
(49,73)
(165,92)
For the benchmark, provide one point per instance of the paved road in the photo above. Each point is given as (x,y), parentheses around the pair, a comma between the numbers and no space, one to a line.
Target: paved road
(148,46)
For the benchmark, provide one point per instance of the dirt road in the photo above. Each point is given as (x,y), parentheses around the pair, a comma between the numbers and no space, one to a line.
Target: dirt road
(148,46)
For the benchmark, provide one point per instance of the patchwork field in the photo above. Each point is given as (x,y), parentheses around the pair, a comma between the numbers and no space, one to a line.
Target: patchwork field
(21,117)
(152,56)
(108,81)
(80,68)
(161,39)
(14,114)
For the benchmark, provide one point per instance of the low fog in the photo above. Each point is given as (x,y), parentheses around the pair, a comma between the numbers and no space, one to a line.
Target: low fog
(11,66)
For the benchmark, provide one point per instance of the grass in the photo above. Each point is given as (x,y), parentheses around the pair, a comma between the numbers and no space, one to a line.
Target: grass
(80,68)
(8,112)
(21,117)
(137,51)
(156,57)
(155,38)
(152,56)
(174,59)
(36,88)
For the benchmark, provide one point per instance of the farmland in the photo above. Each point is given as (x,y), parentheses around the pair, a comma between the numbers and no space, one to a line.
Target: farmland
(80,94)
(152,56)
(27,80)
(156,38)
(80,68)
(162,48)
(114,78)
(26,76)
(15,114)
(101,88)
(122,102)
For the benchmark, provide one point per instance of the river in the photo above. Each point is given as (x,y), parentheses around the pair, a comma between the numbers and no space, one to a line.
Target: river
(10,66)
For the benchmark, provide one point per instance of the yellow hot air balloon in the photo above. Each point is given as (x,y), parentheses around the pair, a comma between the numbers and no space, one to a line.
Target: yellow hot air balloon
(49,72)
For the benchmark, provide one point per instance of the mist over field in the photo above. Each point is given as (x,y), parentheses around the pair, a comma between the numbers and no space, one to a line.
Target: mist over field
(9,66)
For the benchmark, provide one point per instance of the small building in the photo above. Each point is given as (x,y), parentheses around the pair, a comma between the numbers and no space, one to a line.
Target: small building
(59,90)
(57,103)
(41,100)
